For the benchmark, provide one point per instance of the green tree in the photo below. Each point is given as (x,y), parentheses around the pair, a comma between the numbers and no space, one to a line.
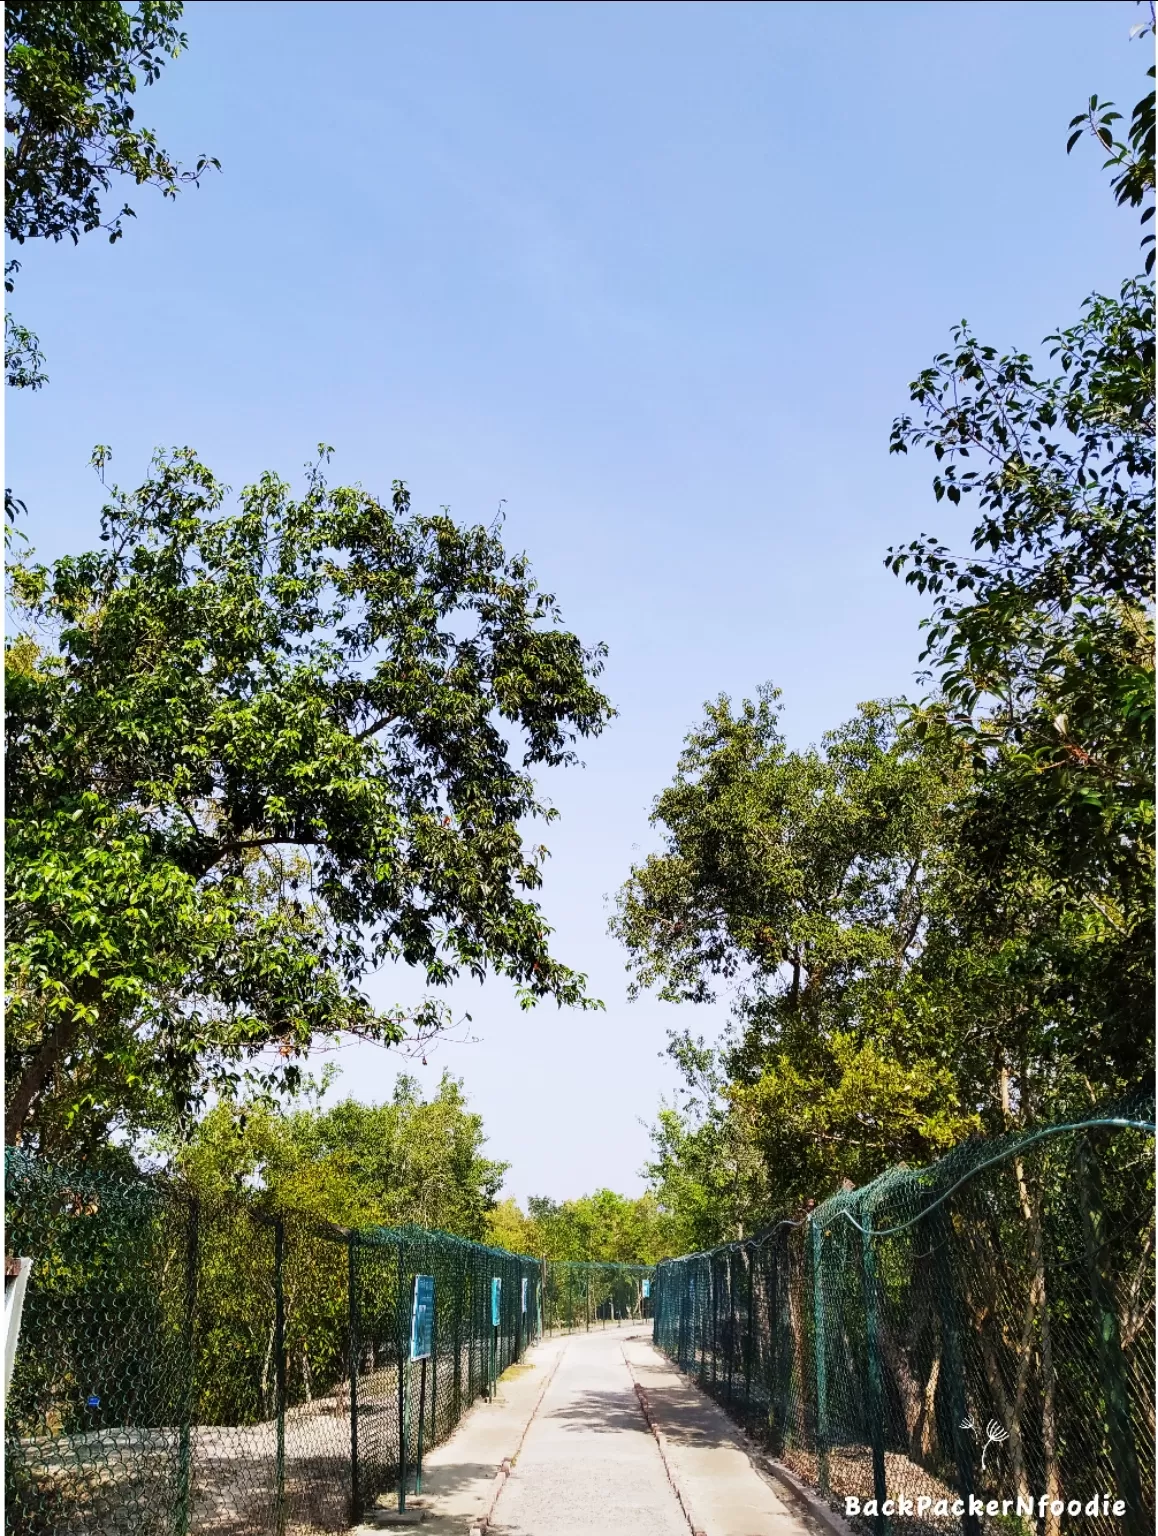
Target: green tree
(806,880)
(978,950)
(409,1161)
(1041,645)
(253,754)
(603,1227)
(72,73)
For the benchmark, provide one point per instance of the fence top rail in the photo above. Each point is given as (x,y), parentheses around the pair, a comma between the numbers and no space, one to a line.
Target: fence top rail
(920,1180)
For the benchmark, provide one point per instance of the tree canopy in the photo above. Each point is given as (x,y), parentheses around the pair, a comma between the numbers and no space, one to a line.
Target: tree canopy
(603,1227)
(409,1161)
(254,753)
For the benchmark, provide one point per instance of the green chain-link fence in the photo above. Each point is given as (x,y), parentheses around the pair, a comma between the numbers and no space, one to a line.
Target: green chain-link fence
(945,1343)
(186,1367)
(585,1295)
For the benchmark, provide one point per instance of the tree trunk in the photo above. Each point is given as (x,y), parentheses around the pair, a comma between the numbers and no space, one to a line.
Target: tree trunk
(31,1083)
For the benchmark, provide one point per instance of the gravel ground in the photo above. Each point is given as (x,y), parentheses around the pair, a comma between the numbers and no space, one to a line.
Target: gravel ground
(123,1482)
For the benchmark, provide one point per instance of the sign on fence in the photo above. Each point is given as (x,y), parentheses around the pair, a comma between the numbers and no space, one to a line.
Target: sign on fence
(422,1318)
(523,1297)
(496,1301)
(646,1289)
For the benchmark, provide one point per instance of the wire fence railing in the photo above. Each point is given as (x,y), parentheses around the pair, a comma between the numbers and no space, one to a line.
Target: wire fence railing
(187,1366)
(967,1346)
(583,1295)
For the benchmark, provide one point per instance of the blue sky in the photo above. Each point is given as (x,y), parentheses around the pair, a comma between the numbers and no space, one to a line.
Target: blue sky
(655,276)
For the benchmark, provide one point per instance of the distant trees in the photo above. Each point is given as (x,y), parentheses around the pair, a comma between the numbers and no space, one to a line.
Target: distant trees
(410,1160)
(602,1227)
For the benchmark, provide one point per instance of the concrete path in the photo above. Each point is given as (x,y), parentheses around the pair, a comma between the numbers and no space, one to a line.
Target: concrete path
(720,1489)
(596,1434)
(461,1478)
(589,1465)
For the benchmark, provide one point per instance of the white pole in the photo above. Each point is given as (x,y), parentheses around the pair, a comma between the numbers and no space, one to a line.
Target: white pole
(14,1287)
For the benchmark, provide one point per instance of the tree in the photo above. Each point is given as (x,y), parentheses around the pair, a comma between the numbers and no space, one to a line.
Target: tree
(1041,643)
(252,755)
(603,1227)
(70,125)
(979,954)
(409,1161)
(808,881)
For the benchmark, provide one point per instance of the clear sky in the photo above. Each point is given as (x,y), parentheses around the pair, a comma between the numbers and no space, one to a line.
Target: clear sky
(656,276)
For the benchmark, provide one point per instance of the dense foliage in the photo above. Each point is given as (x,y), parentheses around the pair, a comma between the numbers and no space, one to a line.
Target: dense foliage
(410,1161)
(943,919)
(254,753)
(603,1227)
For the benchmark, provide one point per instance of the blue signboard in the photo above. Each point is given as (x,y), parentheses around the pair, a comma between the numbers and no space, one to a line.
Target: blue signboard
(422,1318)
(496,1301)
(523,1299)
(646,1289)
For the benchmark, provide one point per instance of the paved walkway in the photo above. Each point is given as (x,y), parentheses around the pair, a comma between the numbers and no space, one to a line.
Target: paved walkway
(589,1465)
(567,1450)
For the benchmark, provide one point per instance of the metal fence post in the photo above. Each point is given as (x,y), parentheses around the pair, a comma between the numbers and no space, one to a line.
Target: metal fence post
(714,1293)
(400,1313)
(749,1337)
(456,1376)
(818,1324)
(355,1349)
(187,1409)
(777,1291)
(434,1372)
(941,1232)
(876,1384)
(732,1329)
(279,1368)
(470,1335)
(1111,1363)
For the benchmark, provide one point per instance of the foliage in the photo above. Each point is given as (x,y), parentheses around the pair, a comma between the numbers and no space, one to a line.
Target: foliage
(23,359)
(809,879)
(1041,642)
(72,73)
(709,1179)
(253,754)
(601,1227)
(1132,161)
(409,1161)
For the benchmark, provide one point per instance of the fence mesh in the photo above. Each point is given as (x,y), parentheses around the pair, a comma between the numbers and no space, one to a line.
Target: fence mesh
(962,1337)
(196,1367)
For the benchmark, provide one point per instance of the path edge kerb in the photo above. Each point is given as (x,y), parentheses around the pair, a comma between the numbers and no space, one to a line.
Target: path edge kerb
(482,1524)
(806,1498)
(813,1504)
(661,1442)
